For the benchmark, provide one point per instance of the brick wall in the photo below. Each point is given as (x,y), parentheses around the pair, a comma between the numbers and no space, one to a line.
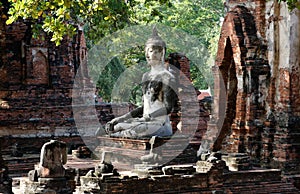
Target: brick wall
(259,112)
(284,90)
(36,81)
(191,112)
(216,180)
(239,63)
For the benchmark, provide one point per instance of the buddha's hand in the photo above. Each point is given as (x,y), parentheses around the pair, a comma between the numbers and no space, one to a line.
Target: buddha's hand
(109,127)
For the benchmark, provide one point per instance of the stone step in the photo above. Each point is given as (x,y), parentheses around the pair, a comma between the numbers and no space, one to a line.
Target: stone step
(20,166)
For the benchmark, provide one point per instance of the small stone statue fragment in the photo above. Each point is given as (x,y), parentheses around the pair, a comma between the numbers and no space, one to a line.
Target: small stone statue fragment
(53,157)
(50,175)
(105,166)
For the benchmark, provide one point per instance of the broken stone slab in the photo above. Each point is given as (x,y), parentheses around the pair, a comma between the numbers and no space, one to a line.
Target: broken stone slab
(237,161)
(90,184)
(179,169)
(87,183)
(110,178)
(146,170)
(239,167)
(203,166)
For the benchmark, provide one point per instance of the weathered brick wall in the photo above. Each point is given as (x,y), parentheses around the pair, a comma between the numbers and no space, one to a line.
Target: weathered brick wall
(283,95)
(213,181)
(258,66)
(191,115)
(36,81)
(239,63)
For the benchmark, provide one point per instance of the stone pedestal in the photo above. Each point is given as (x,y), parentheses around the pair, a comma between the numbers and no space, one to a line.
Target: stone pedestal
(175,150)
(89,185)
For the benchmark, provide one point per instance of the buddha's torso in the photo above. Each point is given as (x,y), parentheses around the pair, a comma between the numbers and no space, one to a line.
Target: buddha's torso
(153,92)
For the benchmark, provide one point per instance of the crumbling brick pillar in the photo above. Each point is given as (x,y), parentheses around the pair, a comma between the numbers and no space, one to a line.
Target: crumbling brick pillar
(240,63)
(266,121)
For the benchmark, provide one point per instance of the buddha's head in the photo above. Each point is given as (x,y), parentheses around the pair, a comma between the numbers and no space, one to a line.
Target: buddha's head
(155,49)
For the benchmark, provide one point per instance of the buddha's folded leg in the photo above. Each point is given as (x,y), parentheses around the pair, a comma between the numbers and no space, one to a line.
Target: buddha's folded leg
(124,130)
(142,129)
(148,130)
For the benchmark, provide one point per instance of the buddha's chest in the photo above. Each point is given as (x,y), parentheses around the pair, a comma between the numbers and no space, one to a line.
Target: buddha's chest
(153,91)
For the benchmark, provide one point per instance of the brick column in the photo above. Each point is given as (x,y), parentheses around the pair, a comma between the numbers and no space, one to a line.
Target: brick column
(189,113)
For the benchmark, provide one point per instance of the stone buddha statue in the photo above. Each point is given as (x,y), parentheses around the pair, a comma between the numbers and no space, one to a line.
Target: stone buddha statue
(159,98)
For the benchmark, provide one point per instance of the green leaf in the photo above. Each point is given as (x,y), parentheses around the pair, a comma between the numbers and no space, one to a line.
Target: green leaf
(10,20)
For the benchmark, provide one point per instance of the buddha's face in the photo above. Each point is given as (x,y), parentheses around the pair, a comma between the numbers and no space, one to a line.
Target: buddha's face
(154,54)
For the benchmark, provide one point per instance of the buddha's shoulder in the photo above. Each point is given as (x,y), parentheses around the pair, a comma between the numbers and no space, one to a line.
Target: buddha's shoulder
(166,75)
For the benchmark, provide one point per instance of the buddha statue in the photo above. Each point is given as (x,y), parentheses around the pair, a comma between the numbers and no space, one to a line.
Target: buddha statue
(159,98)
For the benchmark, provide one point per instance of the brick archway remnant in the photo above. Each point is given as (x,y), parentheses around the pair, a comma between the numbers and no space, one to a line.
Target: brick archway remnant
(239,65)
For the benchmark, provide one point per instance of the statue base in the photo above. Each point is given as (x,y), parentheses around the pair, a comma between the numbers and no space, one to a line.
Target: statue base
(129,151)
